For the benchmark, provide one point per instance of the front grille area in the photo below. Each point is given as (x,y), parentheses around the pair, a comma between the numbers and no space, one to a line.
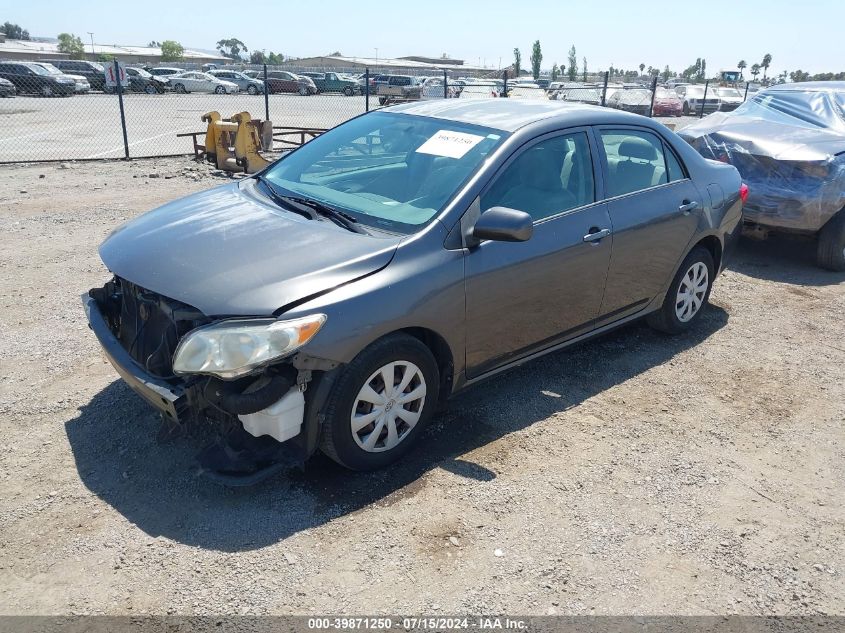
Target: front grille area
(148,325)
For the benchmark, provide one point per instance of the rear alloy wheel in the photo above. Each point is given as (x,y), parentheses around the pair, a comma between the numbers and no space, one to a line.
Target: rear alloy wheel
(180,88)
(830,252)
(252,90)
(303,91)
(687,295)
(220,90)
(380,403)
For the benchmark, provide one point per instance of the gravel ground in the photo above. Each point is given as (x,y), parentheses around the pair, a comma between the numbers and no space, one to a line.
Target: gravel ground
(635,474)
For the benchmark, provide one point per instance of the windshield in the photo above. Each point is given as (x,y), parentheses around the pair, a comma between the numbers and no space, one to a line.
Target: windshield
(816,109)
(40,70)
(387,170)
(51,69)
(143,73)
(729,92)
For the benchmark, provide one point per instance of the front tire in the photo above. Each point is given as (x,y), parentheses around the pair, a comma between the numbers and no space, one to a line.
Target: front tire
(687,295)
(179,88)
(380,404)
(220,90)
(348,91)
(303,92)
(830,252)
(150,89)
(252,90)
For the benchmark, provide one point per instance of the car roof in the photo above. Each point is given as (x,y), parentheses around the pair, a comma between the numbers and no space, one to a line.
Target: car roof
(510,115)
(810,86)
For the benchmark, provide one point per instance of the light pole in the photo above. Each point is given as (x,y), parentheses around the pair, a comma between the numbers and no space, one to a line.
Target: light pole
(376,50)
(92,43)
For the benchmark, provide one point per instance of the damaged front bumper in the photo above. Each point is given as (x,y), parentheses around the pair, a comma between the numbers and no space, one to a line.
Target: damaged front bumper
(258,421)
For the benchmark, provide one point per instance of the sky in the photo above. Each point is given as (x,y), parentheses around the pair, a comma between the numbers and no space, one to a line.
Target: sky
(805,35)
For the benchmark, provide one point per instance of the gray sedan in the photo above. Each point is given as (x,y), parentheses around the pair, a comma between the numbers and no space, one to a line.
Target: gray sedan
(245,84)
(336,299)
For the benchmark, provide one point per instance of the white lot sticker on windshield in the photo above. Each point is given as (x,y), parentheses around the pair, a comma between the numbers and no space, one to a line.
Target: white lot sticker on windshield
(448,143)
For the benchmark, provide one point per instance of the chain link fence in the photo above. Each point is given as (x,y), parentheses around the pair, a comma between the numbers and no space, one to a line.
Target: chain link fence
(53,116)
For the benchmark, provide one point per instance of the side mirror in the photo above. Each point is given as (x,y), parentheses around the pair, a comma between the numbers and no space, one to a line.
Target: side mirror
(502,224)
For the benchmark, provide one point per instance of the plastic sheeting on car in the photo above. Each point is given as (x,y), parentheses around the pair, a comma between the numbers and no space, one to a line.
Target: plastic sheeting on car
(788,144)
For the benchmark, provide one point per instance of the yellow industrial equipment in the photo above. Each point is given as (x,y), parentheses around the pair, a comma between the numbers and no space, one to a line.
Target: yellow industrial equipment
(248,143)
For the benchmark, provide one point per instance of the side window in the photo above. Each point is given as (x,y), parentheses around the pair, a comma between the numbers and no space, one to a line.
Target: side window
(548,178)
(635,161)
(673,166)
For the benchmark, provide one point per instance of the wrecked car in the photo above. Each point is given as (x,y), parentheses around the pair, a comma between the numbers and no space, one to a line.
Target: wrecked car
(788,142)
(334,300)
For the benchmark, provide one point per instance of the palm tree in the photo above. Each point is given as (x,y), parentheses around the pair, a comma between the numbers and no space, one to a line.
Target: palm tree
(755,70)
(742,66)
(767,61)
(642,68)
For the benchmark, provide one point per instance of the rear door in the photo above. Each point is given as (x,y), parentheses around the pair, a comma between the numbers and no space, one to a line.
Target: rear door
(526,296)
(654,210)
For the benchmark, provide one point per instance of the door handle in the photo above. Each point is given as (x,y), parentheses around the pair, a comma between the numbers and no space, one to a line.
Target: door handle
(596,234)
(687,206)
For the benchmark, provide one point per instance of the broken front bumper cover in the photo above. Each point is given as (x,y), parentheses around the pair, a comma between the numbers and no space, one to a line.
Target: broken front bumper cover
(171,400)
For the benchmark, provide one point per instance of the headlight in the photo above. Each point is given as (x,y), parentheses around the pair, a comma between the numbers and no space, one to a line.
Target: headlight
(235,347)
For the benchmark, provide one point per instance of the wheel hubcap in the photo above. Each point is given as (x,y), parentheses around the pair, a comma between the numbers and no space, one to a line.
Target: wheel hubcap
(691,292)
(388,406)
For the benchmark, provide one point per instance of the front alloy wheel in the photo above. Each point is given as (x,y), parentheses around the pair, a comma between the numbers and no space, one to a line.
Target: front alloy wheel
(379,403)
(388,406)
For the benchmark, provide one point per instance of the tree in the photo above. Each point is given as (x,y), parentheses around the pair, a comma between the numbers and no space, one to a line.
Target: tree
(666,73)
(573,64)
(171,51)
(584,69)
(767,61)
(274,59)
(232,48)
(154,44)
(642,68)
(105,57)
(742,65)
(755,70)
(71,45)
(536,59)
(257,57)
(14,31)
(555,71)
(702,73)
(517,62)
(339,54)
(797,75)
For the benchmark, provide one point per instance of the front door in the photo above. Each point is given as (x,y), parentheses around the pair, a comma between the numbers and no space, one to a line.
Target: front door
(655,210)
(522,297)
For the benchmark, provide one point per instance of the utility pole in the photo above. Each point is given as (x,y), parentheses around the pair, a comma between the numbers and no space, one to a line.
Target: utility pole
(92,43)
(376,50)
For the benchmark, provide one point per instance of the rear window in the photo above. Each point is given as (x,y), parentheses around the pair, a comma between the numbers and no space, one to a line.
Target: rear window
(816,109)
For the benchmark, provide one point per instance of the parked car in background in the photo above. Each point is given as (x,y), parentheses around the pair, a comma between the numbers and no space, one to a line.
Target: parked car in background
(92,71)
(729,98)
(433,88)
(334,82)
(636,100)
(32,78)
(284,81)
(526,91)
(165,71)
(7,88)
(81,85)
(667,103)
(396,88)
(244,83)
(578,95)
(142,81)
(486,236)
(195,81)
(788,142)
(482,89)
(693,99)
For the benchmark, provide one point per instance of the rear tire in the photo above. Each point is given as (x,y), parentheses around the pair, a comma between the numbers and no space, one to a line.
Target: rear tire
(179,88)
(220,90)
(687,295)
(686,109)
(393,416)
(150,89)
(830,252)
(303,92)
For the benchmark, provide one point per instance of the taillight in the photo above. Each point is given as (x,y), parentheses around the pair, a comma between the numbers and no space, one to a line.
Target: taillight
(743,193)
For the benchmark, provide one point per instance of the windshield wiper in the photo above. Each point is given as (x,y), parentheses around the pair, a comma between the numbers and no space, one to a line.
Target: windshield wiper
(341,218)
(312,209)
(281,200)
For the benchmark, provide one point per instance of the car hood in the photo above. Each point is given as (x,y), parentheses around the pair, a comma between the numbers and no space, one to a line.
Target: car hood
(230,251)
(778,139)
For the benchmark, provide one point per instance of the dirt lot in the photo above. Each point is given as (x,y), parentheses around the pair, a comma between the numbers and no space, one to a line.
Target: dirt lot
(634,474)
